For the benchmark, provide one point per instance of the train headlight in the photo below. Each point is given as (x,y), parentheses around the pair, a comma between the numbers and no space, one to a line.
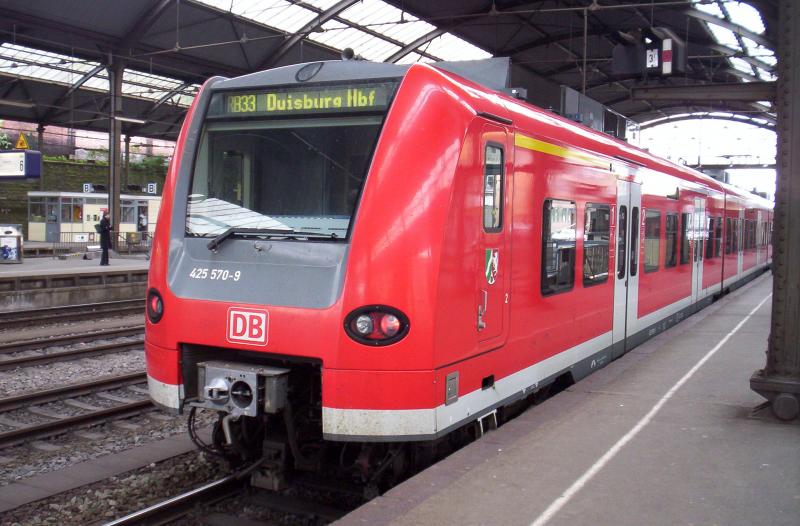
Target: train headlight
(155,306)
(364,325)
(376,325)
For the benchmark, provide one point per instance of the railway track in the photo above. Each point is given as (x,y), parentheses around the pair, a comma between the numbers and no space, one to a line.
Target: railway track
(178,506)
(27,318)
(68,355)
(56,341)
(54,423)
(220,490)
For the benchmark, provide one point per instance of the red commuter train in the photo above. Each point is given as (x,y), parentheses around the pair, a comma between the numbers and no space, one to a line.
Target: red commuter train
(353,252)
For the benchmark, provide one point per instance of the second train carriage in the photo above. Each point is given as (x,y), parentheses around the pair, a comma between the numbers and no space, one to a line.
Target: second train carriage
(359,252)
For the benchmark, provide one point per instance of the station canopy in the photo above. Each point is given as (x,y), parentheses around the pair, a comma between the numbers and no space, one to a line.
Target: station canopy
(54,55)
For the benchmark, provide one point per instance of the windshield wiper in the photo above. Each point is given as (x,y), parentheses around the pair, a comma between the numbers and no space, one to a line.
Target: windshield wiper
(266,232)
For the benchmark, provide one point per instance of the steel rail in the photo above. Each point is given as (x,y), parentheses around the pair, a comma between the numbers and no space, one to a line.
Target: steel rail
(39,343)
(175,507)
(63,425)
(25,318)
(71,391)
(74,354)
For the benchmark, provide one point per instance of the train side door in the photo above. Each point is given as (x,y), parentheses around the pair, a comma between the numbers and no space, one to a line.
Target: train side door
(626,262)
(740,244)
(493,272)
(697,231)
(759,238)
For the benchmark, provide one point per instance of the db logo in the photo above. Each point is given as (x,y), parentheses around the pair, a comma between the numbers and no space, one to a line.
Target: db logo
(248,326)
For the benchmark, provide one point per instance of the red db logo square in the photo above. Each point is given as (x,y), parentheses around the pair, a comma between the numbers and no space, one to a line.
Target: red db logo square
(248,326)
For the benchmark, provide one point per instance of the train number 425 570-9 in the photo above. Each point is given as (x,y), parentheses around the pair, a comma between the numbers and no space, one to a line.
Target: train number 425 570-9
(215,273)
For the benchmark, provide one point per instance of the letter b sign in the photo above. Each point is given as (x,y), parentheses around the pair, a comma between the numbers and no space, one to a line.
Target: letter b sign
(247,326)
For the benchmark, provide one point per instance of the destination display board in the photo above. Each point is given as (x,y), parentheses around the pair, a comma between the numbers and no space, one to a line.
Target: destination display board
(309,100)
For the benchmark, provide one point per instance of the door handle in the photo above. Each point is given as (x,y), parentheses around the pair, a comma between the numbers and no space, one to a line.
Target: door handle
(482,310)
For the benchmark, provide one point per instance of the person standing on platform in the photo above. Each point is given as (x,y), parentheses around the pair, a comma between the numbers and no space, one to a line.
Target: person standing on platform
(105,237)
(141,226)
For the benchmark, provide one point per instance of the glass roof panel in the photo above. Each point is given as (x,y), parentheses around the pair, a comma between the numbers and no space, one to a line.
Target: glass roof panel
(741,64)
(279,14)
(762,53)
(745,15)
(340,36)
(766,75)
(62,69)
(712,8)
(379,16)
(42,65)
(411,58)
(450,47)
(726,37)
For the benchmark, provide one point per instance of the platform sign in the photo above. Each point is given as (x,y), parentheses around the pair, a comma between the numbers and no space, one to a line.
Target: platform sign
(152,188)
(20,164)
(88,188)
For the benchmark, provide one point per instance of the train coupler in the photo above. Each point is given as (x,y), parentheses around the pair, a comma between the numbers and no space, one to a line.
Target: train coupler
(241,389)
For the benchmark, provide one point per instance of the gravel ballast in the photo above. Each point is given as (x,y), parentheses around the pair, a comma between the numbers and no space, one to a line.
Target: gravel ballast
(120,495)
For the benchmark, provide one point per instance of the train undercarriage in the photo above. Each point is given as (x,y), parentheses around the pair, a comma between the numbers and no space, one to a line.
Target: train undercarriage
(269,416)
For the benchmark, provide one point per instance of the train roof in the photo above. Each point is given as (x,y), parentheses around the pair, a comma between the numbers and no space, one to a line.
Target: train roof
(602,143)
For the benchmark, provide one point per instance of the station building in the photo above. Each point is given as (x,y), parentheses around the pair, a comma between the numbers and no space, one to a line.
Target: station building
(71,216)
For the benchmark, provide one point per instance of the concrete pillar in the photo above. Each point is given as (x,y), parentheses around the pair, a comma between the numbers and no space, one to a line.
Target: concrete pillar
(40,145)
(115,72)
(779,381)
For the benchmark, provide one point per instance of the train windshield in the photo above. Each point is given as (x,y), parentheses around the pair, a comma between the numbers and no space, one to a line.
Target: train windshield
(299,174)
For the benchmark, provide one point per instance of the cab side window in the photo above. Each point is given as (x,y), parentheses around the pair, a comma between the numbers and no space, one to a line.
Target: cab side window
(558,246)
(493,189)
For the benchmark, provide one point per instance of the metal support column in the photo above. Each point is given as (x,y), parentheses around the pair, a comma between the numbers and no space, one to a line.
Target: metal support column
(126,179)
(779,381)
(40,146)
(115,72)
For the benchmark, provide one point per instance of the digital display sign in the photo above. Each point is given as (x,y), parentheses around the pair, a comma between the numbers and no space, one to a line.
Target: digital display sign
(304,100)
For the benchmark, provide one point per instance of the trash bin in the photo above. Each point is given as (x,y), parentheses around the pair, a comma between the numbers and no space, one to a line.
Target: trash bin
(10,243)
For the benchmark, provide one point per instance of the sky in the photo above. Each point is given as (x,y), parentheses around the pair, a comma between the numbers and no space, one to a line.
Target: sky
(717,142)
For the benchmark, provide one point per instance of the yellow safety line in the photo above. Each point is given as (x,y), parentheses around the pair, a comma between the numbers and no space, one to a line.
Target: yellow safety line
(523,141)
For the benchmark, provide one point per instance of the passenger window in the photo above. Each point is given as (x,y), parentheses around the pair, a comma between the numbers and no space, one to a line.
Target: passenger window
(622,240)
(671,227)
(596,232)
(728,236)
(634,240)
(710,241)
(493,189)
(684,238)
(558,246)
(718,238)
(735,236)
(652,239)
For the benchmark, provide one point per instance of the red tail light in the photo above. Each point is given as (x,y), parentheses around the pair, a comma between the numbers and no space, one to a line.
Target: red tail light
(155,306)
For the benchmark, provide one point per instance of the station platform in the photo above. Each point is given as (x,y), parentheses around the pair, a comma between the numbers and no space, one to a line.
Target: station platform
(51,282)
(53,266)
(668,434)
